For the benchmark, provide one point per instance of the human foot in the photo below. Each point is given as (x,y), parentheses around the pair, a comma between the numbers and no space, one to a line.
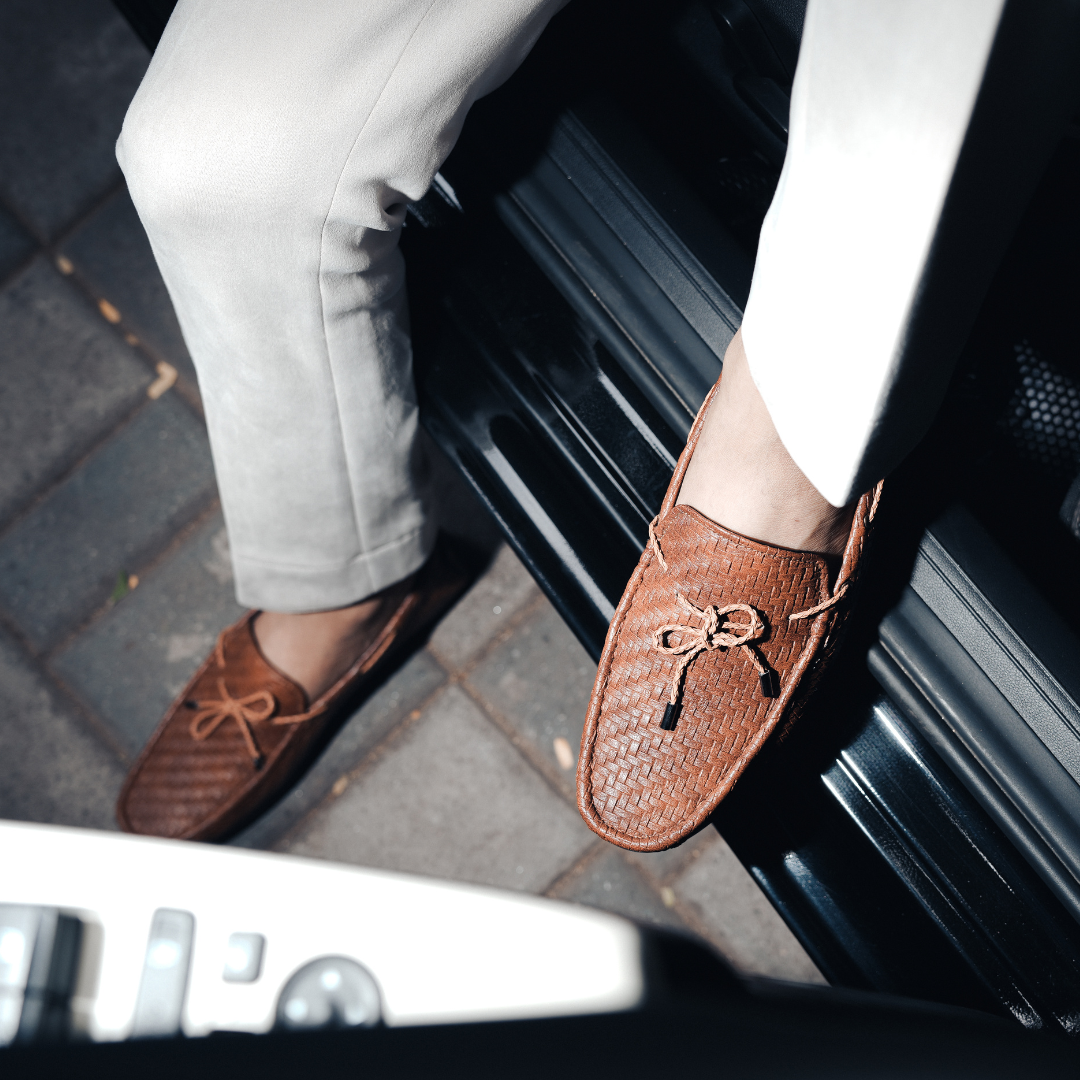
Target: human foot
(743,478)
(241,731)
(316,648)
(720,638)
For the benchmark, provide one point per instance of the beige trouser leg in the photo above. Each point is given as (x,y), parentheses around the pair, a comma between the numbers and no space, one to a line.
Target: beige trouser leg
(271,151)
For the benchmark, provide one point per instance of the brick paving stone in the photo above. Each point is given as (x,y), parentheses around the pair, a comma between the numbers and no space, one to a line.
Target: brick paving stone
(451,798)
(112,255)
(539,680)
(404,691)
(68,378)
(16,244)
(52,767)
(130,664)
(505,588)
(61,561)
(736,915)
(68,69)
(609,881)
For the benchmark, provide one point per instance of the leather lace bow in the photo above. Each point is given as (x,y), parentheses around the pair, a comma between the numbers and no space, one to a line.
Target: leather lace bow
(713,634)
(254,708)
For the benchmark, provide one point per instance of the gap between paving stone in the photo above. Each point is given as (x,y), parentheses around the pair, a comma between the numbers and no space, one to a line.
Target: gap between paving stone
(68,385)
(49,488)
(60,562)
(536,683)
(345,781)
(727,902)
(553,776)
(163,344)
(605,879)
(520,743)
(665,866)
(749,934)
(52,769)
(131,662)
(112,259)
(525,600)
(79,707)
(142,572)
(452,799)
(134,339)
(374,725)
(17,246)
(148,345)
(486,614)
(49,249)
(140,403)
(373,755)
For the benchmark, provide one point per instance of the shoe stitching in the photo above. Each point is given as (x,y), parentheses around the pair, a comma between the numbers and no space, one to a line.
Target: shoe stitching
(843,585)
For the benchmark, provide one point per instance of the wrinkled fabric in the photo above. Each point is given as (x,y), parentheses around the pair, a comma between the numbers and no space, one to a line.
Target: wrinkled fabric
(270,151)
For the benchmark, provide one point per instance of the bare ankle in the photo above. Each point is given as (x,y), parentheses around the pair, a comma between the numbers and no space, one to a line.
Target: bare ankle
(316,648)
(743,478)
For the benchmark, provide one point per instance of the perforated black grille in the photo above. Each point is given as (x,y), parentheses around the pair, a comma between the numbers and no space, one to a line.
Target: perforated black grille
(748,180)
(1043,417)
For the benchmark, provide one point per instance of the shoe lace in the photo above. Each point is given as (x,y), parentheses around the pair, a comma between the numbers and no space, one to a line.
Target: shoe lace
(712,634)
(255,708)
(213,714)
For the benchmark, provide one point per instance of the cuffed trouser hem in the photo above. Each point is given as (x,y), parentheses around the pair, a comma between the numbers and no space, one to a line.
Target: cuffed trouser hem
(293,589)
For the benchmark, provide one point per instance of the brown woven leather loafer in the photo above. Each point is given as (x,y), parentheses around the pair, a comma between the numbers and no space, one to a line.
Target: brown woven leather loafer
(241,732)
(717,640)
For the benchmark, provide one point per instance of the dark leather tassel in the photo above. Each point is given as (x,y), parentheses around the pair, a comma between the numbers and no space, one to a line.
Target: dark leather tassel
(671,716)
(770,683)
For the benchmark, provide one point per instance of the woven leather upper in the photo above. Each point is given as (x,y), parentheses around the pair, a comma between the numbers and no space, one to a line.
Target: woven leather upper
(184,788)
(646,788)
(641,786)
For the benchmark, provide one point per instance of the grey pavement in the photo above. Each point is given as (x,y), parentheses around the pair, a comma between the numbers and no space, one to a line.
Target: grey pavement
(115,576)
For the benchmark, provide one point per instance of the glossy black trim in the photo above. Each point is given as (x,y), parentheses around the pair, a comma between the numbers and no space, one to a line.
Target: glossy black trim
(989,795)
(147,18)
(961,870)
(647,294)
(976,688)
(891,873)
